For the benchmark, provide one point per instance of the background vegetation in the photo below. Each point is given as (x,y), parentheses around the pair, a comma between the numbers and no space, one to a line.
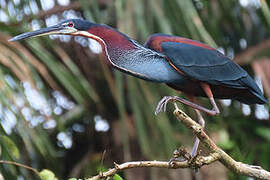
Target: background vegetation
(63,109)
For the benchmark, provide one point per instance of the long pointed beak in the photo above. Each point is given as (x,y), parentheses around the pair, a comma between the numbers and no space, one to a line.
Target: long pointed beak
(41,32)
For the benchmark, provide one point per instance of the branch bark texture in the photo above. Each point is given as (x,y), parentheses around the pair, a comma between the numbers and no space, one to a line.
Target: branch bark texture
(216,154)
(224,158)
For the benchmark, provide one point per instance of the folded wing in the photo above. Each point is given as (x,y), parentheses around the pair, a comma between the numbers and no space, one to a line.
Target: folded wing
(210,66)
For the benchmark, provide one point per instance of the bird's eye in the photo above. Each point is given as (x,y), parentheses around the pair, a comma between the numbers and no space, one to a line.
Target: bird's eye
(70,24)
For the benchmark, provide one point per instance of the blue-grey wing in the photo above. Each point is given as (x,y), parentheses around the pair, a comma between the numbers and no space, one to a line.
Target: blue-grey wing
(208,65)
(202,64)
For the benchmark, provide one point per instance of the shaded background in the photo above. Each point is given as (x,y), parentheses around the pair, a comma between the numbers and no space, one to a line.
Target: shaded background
(63,109)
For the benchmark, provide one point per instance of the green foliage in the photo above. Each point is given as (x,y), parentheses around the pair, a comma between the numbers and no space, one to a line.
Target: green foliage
(9,146)
(225,142)
(51,67)
(263,132)
(117,177)
(46,174)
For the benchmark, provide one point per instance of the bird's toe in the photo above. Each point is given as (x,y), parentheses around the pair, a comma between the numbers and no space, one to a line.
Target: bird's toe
(162,104)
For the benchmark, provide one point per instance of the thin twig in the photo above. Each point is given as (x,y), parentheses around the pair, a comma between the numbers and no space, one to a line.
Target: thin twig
(20,165)
(215,154)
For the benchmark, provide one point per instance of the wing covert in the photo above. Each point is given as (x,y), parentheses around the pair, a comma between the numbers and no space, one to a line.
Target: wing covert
(203,64)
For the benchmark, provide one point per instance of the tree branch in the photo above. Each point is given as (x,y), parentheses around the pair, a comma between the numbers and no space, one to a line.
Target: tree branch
(59,9)
(55,10)
(20,165)
(224,158)
(192,162)
(200,161)
(248,55)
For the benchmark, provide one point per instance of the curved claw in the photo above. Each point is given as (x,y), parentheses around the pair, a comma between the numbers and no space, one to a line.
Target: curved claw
(159,106)
(179,155)
(164,101)
(162,104)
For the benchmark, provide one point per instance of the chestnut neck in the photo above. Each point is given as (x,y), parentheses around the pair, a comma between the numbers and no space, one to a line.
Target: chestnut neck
(113,39)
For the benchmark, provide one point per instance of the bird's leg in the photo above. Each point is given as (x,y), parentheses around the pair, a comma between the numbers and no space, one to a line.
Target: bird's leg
(180,155)
(209,94)
(201,122)
(197,141)
(162,105)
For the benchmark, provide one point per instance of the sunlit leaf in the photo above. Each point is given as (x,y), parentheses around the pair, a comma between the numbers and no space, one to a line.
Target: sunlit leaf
(46,174)
(263,132)
(224,140)
(117,177)
(10,146)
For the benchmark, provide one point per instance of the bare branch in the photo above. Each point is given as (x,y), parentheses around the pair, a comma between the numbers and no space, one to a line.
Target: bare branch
(248,55)
(200,161)
(224,158)
(20,165)
(57,9)
(261,68)
(194,162)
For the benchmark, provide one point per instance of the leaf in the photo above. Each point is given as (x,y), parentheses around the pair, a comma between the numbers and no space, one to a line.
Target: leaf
(46,174)
(10,146)
(263,132)
(225,141)
(72,179)
(117,177)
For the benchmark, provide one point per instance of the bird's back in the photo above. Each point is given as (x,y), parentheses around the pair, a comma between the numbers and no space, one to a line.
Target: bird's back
(200,62)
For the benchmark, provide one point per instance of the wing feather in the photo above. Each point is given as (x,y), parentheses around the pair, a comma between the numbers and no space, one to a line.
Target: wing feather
(203,64)
(211,66)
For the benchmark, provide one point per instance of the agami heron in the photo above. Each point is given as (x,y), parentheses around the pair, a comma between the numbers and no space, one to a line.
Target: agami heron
(183,64)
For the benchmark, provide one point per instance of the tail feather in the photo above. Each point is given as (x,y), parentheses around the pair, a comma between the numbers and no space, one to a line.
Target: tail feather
(253,88)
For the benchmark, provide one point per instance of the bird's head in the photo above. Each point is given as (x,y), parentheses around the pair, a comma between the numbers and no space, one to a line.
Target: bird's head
(107,39)
(67,27)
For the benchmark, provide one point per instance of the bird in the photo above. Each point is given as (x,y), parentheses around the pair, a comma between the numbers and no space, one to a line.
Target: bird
(186,65)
